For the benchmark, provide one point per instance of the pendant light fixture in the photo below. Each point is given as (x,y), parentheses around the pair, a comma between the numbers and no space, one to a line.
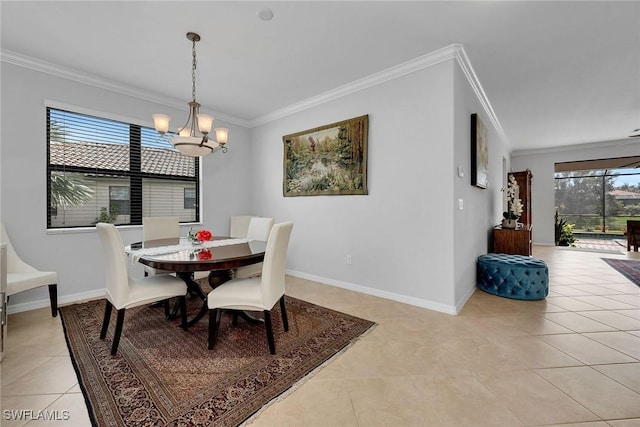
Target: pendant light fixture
(193,138)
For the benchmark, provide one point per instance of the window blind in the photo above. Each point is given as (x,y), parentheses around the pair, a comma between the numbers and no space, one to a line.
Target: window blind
(105,170)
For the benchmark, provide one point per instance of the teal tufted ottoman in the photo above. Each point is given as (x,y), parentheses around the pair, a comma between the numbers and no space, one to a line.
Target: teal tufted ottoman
(513,276)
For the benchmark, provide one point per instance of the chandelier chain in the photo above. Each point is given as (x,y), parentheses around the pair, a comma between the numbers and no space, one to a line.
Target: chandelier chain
(195,137)
(193,71)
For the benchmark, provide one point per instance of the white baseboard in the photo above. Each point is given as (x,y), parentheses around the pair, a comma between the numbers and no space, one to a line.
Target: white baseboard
(62,300)
(464,300)
(435,306)
(100,293)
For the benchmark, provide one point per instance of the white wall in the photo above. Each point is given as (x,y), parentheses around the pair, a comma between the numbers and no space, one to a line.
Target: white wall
(482,208)
(541,163)
(407,239)
(403,237)
(77,256)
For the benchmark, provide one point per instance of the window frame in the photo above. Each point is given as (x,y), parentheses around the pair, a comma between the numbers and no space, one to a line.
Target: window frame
(134,173)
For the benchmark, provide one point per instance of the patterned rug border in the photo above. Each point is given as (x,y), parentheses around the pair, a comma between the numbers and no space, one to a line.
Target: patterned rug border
(366,328)
(628,268)
(76,368)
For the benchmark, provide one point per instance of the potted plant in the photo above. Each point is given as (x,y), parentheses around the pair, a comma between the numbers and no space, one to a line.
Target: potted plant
(514,204)
(563,232)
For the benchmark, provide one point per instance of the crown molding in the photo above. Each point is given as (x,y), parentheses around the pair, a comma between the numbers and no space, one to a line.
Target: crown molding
(614,143)
(375,79)
(464,63)
(42,66)
(454,51)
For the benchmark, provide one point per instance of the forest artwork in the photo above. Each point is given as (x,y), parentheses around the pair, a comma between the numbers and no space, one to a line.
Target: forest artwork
(328,160)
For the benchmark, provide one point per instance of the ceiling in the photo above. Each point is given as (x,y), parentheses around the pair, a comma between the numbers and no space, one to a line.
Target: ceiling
(555,73)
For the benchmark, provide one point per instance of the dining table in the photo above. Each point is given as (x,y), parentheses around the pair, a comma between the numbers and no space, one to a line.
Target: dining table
(219,256)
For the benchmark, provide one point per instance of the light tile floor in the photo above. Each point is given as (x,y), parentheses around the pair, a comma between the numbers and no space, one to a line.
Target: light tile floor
(572,359)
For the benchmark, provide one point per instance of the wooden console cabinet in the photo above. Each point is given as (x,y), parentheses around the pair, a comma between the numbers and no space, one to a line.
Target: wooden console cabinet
(509,241)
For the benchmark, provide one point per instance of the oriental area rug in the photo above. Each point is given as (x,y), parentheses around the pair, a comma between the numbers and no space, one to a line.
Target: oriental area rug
(629,269)
(165,376)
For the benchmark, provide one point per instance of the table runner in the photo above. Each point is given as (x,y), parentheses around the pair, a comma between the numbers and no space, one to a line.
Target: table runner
(184,245)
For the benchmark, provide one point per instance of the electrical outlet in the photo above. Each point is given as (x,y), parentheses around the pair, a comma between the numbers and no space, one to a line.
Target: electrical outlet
(348,259)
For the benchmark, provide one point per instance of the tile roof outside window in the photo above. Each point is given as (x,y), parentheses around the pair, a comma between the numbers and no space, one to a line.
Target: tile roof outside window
(116,157)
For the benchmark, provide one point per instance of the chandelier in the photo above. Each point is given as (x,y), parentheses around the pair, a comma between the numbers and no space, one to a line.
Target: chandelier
(193,138)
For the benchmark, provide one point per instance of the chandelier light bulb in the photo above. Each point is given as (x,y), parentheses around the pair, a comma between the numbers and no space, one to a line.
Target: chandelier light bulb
(205,121)
(161,123)
(221,135)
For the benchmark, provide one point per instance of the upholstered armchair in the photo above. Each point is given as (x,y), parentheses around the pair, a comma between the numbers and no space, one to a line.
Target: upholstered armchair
(22,277)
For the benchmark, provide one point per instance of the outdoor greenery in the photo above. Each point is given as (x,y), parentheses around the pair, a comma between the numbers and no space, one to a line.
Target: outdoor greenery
(567,238)
(109,217)
(587,199)
(68,189)
(563,232)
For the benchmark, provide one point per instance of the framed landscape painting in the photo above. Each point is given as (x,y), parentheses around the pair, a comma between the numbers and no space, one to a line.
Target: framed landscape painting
(479,153)
(327,160)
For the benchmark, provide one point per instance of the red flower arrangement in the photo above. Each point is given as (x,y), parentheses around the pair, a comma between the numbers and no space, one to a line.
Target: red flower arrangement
(204,254)
(199,236)
(204,235)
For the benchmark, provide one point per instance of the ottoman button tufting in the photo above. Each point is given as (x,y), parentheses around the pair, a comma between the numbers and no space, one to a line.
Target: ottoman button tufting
(517,276)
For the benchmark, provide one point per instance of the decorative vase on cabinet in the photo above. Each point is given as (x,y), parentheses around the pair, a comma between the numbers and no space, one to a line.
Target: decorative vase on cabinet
(509,223)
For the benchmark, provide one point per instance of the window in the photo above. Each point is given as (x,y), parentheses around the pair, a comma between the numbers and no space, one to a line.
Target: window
(598,200)
(105,170)
(119,201)
(189,198)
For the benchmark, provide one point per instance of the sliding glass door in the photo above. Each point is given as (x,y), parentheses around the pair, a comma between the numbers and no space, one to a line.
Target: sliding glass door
(598,200)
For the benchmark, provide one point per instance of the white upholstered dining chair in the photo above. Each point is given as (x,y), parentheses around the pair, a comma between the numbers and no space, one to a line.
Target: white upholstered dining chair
(239,226)
(22,277)
(124,291)
(257,293)
(159,227)
(259,229)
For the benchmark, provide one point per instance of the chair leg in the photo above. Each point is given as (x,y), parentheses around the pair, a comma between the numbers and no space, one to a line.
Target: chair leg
(53,297)
(267,324)
(183,310)
(116,336)
(167,308)
(214,326)
(283,310)
(105,321)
